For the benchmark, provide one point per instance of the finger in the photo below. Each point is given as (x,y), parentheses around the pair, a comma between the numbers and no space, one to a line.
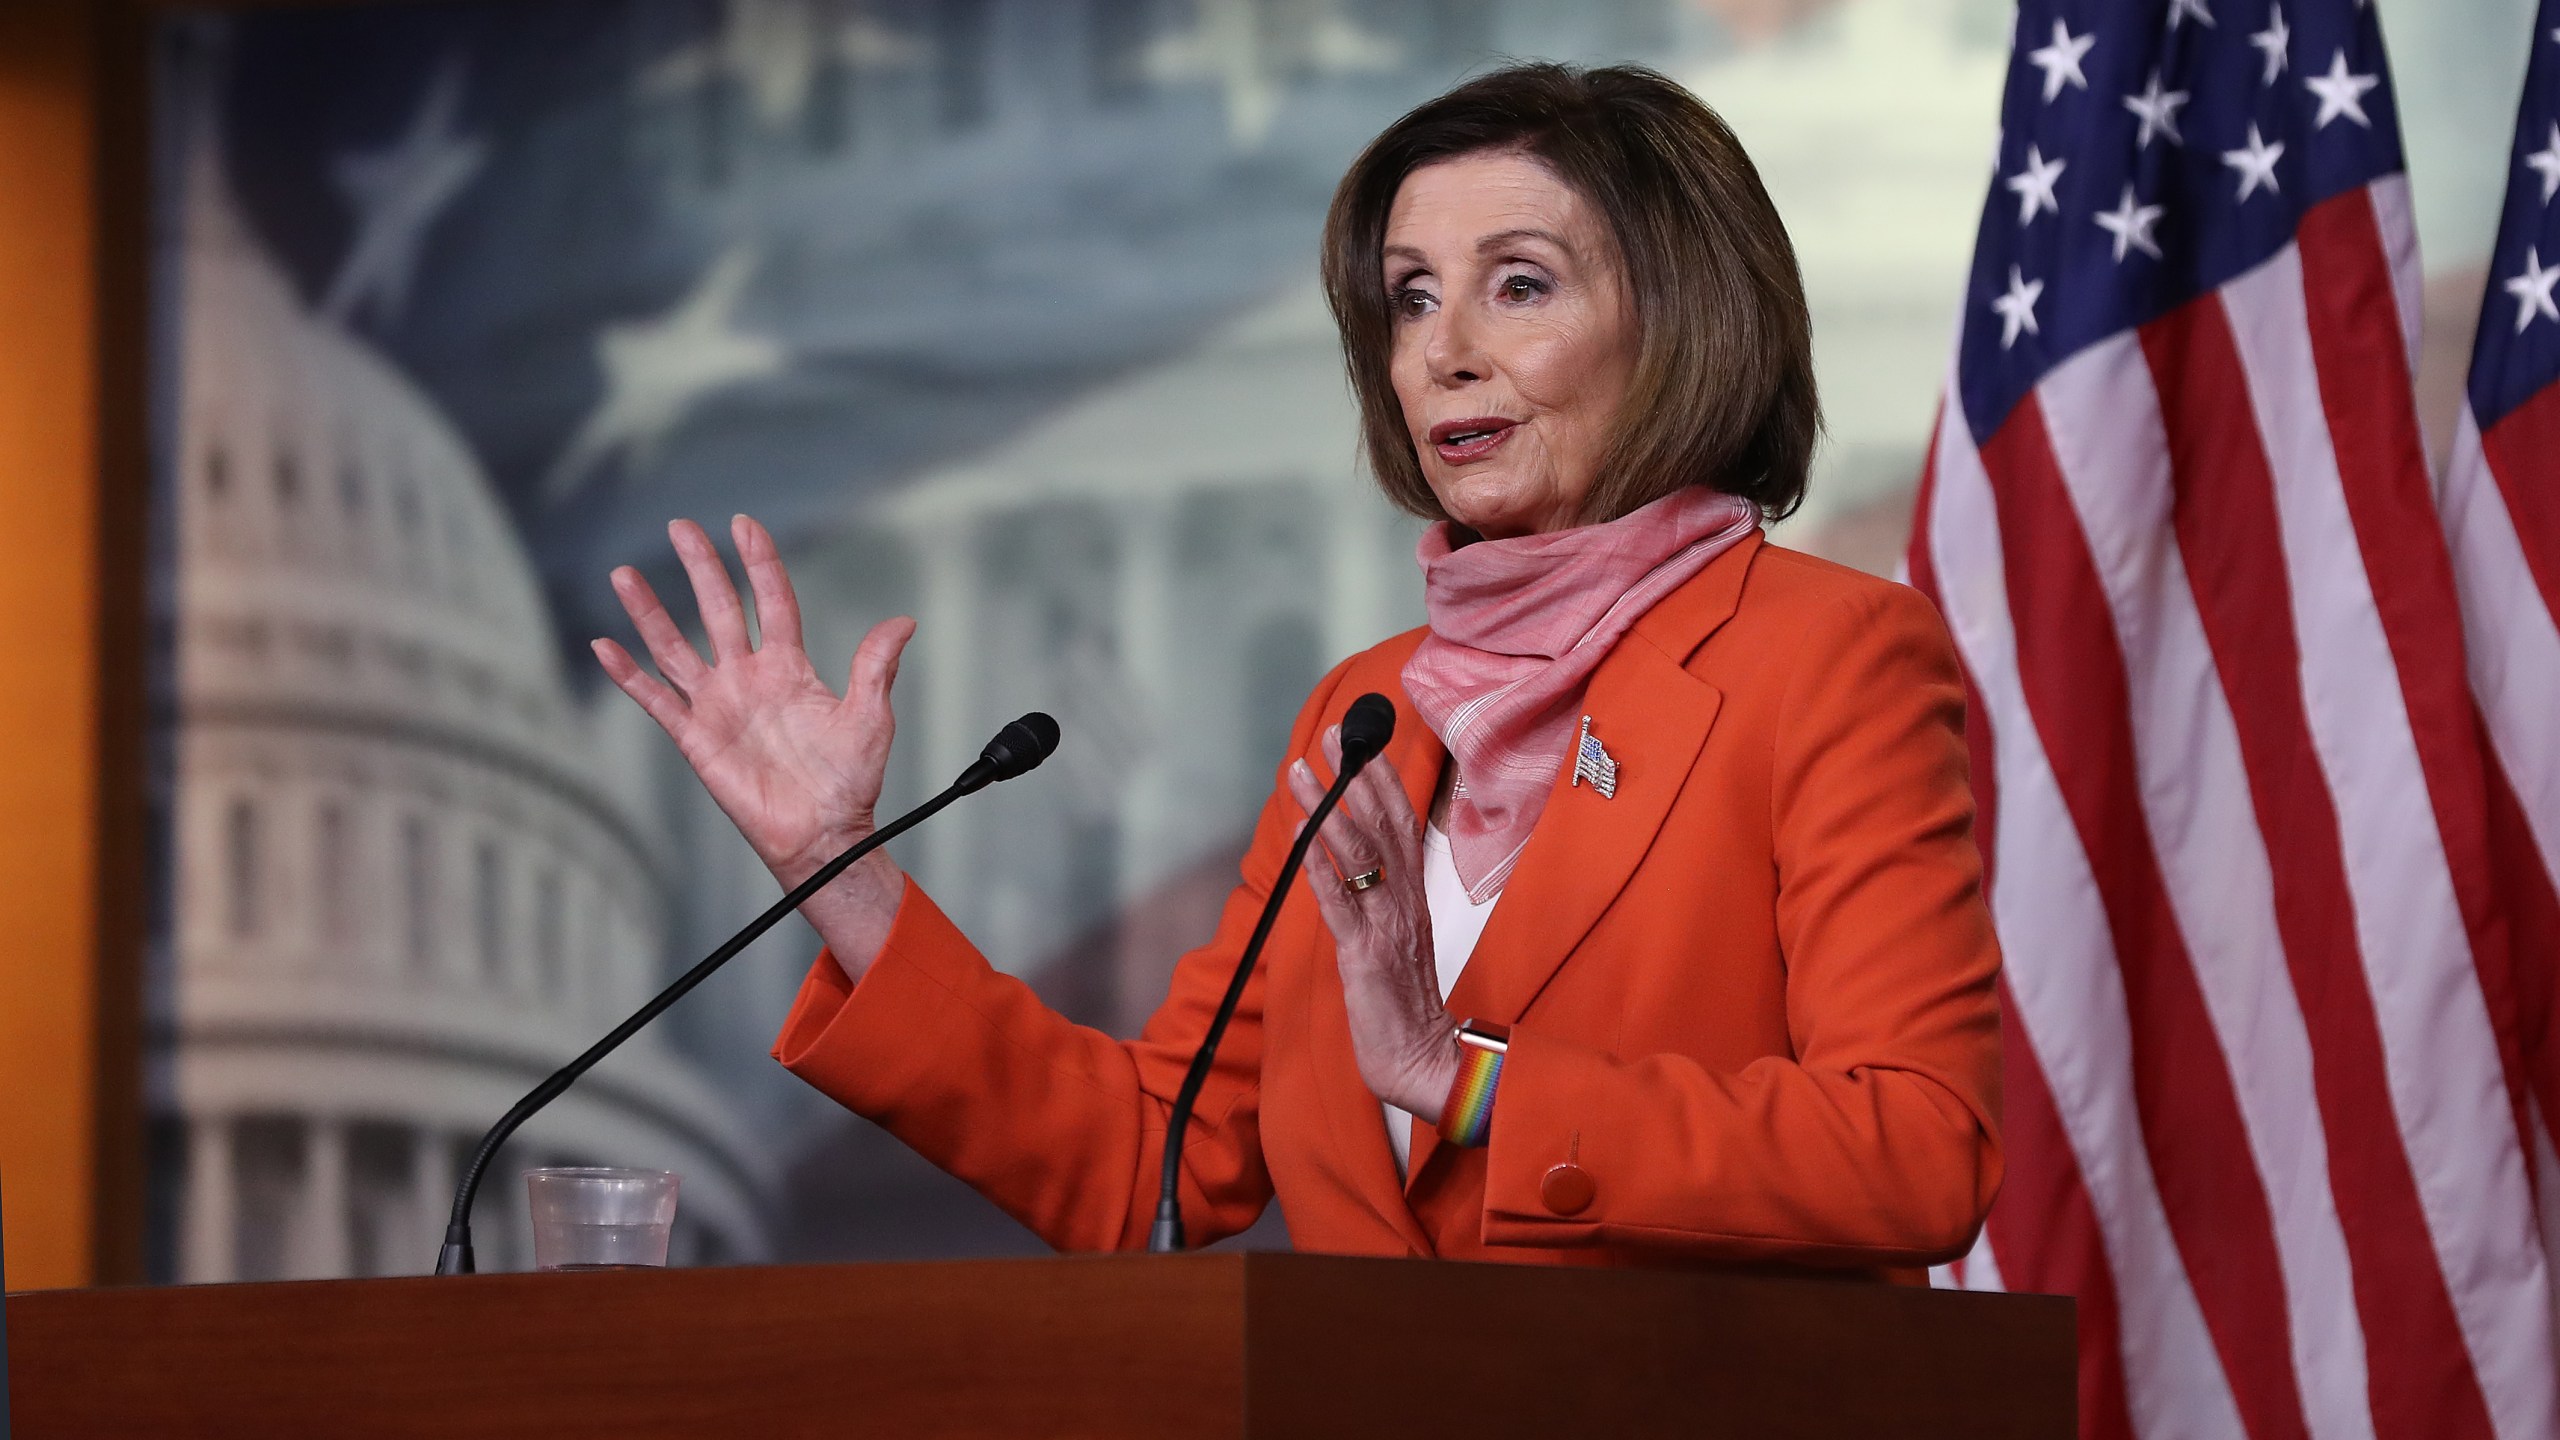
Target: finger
(1377,797)
(1355,848)
(875,666)
(1333,898)
(777,605)
(663,705)
(1308,791)
(1304,787)
(676,657)
(724,616)
(1349,841)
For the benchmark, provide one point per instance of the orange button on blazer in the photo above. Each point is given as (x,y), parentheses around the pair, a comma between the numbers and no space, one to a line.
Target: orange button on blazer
(1751,996)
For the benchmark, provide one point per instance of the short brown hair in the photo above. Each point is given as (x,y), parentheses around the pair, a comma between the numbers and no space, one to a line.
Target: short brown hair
(1723,393)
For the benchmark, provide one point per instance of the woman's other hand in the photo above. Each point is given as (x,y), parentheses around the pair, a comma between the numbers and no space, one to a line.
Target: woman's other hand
(1400,1032)
(795,767)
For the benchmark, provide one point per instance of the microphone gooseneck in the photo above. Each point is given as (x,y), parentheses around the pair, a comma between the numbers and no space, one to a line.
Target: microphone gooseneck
(1366,728)
(1017,748)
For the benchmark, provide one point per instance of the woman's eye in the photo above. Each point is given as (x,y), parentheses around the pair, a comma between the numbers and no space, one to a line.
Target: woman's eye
(1521,288)
(1410,303)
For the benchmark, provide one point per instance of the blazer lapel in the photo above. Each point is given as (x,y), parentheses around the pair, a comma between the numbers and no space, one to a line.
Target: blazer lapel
(1358,1123)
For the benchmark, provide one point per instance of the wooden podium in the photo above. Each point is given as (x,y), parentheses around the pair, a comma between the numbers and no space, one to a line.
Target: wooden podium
(1126,1347)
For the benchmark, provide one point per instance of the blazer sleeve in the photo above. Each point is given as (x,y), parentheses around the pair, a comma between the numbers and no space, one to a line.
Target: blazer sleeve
(1877,1142)
(1060,1125)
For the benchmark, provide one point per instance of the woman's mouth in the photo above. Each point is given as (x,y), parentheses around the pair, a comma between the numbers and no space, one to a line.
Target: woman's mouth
(1461,442)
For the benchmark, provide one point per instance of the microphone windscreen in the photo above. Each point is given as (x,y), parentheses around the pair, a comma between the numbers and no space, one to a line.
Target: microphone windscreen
(1368,725)
(1020,747)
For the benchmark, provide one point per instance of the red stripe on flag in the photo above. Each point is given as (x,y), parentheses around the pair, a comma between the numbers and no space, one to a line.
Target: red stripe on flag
(2045,1235)
(2366,393)
(2533,916)
(2519,446)
(2072,670)
(2417,1370)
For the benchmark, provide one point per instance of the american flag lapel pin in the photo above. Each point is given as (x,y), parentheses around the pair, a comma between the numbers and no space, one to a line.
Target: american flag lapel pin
(1592,762)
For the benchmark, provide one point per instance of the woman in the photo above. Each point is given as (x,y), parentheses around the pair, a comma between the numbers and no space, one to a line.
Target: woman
(1698,845)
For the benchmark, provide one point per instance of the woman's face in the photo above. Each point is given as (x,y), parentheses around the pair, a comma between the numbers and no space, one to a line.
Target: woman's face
(1515,339)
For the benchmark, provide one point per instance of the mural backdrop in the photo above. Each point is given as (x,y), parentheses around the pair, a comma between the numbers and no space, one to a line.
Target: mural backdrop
(1001,313)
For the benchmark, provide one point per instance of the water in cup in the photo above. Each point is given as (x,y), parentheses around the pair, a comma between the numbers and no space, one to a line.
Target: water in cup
(600,1218)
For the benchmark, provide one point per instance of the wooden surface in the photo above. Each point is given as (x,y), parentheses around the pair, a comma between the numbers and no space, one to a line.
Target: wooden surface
(1120,1346)
(1551,1353)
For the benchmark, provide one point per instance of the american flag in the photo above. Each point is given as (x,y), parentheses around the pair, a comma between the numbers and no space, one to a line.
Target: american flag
(2501,504)
(2265,1107)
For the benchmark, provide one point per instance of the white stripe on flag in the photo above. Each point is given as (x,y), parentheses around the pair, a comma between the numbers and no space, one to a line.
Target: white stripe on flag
(1982,1267)
(2059,957)
(2448,1086)
(2113,449)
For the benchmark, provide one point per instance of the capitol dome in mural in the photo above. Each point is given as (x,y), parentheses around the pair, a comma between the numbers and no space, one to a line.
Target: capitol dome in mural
(415,873)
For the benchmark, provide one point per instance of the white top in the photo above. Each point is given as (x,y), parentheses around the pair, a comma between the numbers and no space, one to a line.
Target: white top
(1456,924)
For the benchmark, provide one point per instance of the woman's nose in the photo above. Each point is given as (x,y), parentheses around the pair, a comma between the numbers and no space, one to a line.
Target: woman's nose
(1454,352)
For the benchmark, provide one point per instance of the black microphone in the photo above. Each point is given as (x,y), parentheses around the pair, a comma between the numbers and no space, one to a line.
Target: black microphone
(1017,748)
(1366,728)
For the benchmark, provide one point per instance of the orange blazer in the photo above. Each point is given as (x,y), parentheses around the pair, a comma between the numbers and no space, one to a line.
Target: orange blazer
(1751,996)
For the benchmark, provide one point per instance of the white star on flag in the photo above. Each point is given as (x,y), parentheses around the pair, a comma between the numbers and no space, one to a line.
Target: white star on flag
(2017,309)
(2545,162)
(398,192)
(770,50)
(2180,9)
(2256,163)
(2157,109)
(2131,225)
(2532,290)
(656,370)
(2341,93)
(2273,41)
(2034,185)
(2060,61)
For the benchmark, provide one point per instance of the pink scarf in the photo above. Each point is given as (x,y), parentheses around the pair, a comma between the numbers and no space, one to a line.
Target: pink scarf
(1517,627)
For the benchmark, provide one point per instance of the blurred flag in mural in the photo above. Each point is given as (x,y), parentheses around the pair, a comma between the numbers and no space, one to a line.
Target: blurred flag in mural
(2265,1102)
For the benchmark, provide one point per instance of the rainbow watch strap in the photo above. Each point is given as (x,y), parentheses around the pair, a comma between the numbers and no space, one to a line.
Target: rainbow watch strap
(1467,1118)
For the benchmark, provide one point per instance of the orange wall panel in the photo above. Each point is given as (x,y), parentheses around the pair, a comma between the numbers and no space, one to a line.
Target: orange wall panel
(48,641)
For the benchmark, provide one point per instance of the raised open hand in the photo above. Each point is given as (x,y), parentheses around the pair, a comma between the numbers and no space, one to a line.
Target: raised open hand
(796,768)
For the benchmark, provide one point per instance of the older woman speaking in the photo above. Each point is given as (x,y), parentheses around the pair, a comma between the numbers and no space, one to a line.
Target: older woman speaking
(1658,939)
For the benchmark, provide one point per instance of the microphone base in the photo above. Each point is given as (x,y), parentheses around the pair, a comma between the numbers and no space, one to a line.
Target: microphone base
(455,1258)
(1165,1237)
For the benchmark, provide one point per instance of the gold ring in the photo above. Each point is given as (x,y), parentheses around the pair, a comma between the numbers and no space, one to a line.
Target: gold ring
(1362,881)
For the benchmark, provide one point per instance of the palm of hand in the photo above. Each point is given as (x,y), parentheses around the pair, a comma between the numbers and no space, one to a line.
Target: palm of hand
(794,767)
(787,761)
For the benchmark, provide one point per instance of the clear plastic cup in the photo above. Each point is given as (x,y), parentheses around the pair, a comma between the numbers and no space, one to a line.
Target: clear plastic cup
(600,1218)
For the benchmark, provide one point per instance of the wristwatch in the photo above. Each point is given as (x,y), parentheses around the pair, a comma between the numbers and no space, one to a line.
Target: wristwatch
(1467,1118)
